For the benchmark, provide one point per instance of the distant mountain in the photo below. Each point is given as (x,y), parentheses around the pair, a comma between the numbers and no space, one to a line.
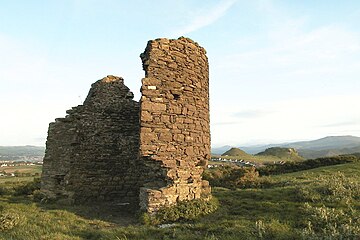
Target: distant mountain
(327,146)
(332,142)
(21,152)
(235,152)
(283,153)
(308,153)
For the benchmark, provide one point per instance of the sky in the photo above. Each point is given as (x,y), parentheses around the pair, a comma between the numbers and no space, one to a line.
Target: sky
(280,70)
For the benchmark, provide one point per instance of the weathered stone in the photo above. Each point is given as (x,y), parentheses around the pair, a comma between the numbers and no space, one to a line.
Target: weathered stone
(146,116)
(98,143)
(186,96)
(113,150)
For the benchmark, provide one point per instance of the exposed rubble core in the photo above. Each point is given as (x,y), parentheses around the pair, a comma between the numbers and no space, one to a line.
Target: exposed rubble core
(114,150)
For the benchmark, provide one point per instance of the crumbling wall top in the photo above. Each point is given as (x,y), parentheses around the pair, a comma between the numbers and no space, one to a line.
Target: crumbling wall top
(108,91)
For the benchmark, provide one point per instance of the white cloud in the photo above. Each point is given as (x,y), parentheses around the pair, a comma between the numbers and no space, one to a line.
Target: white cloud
(206,18)
(331,47)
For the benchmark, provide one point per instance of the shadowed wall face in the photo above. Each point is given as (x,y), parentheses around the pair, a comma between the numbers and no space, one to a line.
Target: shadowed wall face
(174,121)
(113,150)
(91,154)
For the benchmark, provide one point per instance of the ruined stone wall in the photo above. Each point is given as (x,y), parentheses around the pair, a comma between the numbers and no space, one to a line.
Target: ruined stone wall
(92,153)
(114,150)
(174,119)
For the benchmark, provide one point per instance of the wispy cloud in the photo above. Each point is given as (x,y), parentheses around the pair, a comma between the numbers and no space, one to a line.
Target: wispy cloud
(224,123)
(251,114)
(341,124)
(325,49)
(206,18)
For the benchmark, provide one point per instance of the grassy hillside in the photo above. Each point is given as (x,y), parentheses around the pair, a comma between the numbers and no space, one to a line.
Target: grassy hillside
(271,155)
(236,152)
(288,154)
(320,203)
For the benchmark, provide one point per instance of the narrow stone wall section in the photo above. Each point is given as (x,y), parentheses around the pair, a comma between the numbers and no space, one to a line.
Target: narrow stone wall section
(174,122)
(92,153)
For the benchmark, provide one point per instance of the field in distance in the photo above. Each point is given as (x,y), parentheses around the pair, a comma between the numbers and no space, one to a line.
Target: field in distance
(19,173)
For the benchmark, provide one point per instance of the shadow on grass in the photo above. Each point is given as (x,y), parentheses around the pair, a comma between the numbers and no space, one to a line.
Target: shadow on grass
(118,215)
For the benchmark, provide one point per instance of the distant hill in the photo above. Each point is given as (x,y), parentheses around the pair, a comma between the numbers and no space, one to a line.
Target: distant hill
(332,142)
(308,153)
(236,152)
(220,150)
(283,153)
(21,152)
(324,147)
(258,148)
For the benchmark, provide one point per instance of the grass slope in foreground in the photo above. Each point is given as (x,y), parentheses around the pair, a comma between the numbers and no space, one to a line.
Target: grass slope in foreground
(321,203)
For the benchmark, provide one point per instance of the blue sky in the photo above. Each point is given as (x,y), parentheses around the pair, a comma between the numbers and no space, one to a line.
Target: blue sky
(279,70)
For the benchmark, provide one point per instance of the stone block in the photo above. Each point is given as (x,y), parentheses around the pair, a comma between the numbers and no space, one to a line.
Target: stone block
(146,116)
(149,137)
(153,106)
(165,136)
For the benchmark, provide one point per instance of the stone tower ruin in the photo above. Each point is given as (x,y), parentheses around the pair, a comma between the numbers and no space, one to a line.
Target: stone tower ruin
(116,151)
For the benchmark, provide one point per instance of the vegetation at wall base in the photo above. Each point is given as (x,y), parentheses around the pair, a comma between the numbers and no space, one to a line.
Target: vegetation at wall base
(235,177)
(317,203)
(183,211)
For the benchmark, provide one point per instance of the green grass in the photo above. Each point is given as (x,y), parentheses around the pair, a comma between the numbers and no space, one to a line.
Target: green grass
(276,211)
(8,180)
(32,169)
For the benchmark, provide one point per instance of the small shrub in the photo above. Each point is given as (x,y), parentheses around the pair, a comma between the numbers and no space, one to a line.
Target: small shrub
(27,188)
(338,187)
(249,179)
(331,188)
(330,223)
(185,210)
(223,176)
(273,230)
(8,220)
(307,194)
(4,190)
(43,196)
(236,177)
